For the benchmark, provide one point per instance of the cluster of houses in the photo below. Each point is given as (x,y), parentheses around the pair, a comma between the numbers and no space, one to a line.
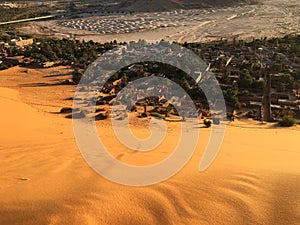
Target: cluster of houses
(234,58)
(18,43)
(115,24)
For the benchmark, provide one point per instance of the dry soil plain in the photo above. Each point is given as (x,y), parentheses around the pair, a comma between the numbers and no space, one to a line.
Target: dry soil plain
(45,180)
(273,18)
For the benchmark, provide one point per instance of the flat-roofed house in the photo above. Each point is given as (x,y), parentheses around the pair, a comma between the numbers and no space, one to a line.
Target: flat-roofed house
(21,43)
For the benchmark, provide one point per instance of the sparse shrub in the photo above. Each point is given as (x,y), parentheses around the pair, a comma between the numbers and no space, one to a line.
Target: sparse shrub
(145,115)
(133,108)
(230,116)
(3,67)
(231,95)
(207,123)
(251,114)
(287,121)
(77,74)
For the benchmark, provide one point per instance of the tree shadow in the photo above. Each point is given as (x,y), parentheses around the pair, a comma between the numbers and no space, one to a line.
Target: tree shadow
(57,75)
(61,83)
(78,115)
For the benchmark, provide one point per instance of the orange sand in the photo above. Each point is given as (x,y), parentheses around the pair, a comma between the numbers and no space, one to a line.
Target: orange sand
(44,179)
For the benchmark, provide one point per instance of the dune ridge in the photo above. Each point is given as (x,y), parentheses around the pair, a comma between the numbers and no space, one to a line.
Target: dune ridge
(45,180)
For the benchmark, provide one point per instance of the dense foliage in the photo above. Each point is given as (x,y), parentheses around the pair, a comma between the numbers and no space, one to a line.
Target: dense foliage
(64,51)
(8,14)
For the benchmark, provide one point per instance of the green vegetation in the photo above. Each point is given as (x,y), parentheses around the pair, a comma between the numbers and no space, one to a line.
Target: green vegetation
(3,66)
(25,12)
(77,74)
(76,52)
(8,14)
(287,121)
(79,54)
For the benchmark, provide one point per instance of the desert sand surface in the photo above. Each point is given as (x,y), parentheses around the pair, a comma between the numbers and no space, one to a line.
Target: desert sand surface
(272,18)
(45,180)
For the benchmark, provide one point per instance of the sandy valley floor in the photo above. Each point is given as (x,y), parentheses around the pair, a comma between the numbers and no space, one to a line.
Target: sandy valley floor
(44,179)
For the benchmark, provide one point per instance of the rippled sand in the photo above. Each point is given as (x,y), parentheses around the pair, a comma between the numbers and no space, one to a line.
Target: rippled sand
(45,180)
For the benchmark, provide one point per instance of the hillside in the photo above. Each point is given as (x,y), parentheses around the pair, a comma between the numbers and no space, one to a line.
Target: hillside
(166,5)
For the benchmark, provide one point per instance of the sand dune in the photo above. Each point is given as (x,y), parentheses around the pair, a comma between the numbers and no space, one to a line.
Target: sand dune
(44,179)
